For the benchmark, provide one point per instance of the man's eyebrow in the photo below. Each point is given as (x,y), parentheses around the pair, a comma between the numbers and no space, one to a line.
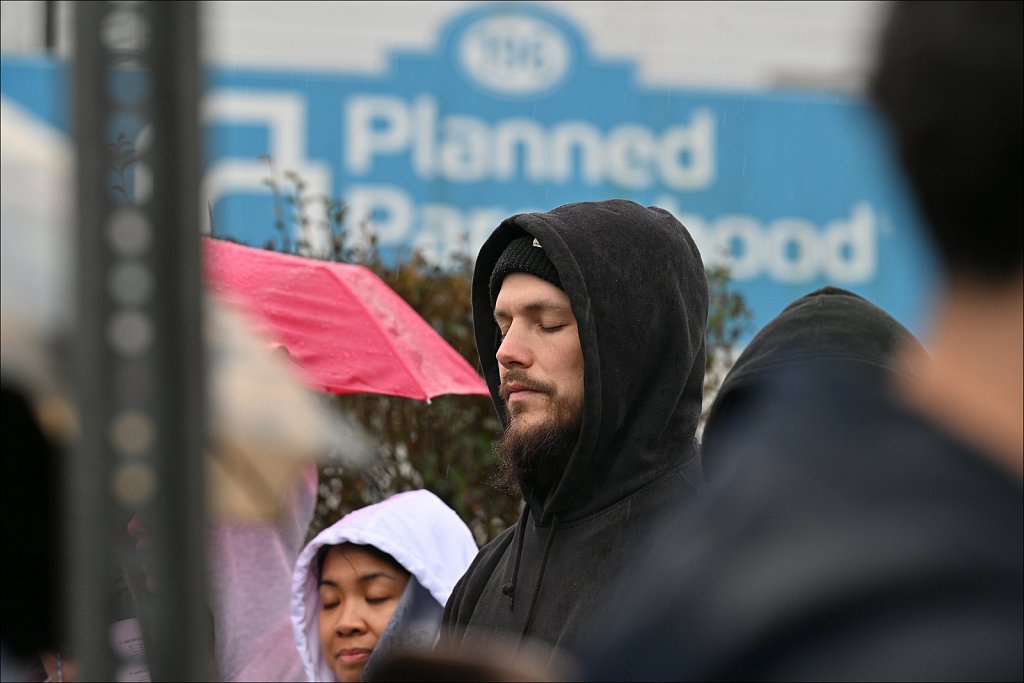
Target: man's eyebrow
(538,306)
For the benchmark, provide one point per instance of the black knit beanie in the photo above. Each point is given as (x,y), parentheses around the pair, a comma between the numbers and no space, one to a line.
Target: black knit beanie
(522,255)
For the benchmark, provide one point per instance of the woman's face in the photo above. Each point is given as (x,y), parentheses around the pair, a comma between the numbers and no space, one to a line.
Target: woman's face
(358,595)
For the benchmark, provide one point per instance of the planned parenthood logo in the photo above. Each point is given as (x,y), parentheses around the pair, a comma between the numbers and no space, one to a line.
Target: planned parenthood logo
(515,55)
(513,113)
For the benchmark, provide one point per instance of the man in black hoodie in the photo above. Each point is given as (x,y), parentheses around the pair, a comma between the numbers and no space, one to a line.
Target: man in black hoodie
(864,518)
(590,326)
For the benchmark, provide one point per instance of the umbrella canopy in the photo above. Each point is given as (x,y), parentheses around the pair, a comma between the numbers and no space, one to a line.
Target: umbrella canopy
(345,328)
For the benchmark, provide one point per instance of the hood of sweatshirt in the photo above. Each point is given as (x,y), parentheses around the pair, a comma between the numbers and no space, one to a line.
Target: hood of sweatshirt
(637,286)
(424,535)
(830,325)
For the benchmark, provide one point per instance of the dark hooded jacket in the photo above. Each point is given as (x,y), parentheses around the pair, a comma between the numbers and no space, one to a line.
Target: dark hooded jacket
(830,326)
(842,534)
(638,290)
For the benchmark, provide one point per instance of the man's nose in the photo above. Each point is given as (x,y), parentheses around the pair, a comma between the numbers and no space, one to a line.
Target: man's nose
(513,350)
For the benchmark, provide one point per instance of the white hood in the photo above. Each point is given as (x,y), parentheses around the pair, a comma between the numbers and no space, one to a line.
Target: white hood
(416,528)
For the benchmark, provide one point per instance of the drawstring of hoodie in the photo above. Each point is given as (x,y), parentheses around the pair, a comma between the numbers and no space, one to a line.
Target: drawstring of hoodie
(540,578)
(509,588)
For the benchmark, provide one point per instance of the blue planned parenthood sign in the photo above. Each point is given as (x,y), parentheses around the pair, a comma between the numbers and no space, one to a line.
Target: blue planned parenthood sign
(511,113)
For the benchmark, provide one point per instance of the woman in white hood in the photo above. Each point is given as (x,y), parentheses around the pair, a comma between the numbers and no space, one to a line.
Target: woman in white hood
(375,582)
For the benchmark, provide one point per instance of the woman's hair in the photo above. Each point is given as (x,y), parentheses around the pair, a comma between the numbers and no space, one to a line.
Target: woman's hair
(321,556)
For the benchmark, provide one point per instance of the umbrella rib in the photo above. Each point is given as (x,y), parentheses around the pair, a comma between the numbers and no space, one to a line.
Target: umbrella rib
(386,336)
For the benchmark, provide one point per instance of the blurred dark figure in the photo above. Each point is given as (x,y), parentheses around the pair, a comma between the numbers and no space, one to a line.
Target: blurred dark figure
(488,659)
(32,546)
(828,329)
(865,522)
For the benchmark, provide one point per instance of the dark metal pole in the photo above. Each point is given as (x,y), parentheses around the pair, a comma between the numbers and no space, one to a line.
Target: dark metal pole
(139,384)
(50,25)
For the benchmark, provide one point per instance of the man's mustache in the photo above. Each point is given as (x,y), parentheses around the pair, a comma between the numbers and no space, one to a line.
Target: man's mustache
(516,376)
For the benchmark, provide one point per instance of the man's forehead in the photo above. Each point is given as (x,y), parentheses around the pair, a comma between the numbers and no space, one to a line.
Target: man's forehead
(524,292)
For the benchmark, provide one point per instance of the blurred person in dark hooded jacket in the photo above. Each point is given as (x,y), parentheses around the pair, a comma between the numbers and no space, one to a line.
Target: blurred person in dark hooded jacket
(32,544)
(590,324)
(864,517)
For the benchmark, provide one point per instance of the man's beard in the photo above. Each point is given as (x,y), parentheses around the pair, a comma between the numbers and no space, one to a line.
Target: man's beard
(535,457)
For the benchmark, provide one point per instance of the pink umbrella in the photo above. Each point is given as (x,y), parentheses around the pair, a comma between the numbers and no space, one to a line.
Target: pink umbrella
(342,325)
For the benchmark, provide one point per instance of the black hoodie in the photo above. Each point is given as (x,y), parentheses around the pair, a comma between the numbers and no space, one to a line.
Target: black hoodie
(639,293)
